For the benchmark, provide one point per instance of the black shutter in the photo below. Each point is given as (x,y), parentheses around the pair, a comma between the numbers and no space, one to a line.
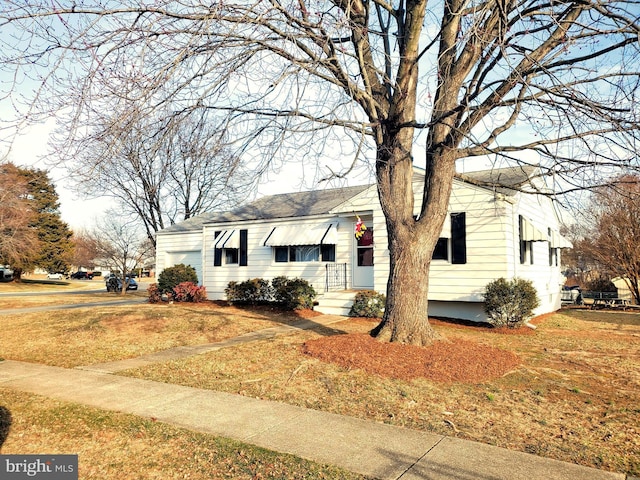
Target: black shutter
(243,254)
(458,238)
(441,252)
(523,243)
(217,252)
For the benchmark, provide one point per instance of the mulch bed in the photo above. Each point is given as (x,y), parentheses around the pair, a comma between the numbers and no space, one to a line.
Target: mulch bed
(454,360)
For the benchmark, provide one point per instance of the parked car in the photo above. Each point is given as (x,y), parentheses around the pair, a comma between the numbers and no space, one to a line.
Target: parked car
(572,295)
(114,284)
(6,274)
(55,276)
(81,276)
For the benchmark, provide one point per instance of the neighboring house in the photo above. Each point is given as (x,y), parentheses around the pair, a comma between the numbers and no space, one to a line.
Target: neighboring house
(624,292)
(489,233)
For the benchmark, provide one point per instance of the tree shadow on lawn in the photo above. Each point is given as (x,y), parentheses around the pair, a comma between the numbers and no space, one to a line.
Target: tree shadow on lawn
(303,319)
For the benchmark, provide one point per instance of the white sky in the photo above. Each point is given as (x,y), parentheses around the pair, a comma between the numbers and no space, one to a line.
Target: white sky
(30,150)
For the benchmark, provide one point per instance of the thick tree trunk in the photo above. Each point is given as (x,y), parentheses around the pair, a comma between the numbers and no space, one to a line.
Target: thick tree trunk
(17,275)
(411,245)
(412,238)
(405,319)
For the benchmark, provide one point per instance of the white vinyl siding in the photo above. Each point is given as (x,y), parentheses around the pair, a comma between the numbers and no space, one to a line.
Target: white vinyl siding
(455,290)
(173,249)
(261,258)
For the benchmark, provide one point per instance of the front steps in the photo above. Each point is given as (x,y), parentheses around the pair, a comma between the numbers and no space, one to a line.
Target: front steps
(335,303)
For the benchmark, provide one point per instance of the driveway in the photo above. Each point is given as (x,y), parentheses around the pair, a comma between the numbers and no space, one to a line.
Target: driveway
(89,288)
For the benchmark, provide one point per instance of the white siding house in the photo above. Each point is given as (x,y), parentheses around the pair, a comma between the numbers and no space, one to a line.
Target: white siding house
(489,233)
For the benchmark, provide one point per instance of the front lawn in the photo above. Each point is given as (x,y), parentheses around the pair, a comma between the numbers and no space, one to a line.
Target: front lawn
(117,446)
(573,396)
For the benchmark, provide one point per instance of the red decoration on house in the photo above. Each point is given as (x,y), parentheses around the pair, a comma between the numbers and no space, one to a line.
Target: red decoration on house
(360,228)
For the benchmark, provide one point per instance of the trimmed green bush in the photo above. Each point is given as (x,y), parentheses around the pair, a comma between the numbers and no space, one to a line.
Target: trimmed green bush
(293,293)
(254,291)
(510,303)
(368,303)
(173,276)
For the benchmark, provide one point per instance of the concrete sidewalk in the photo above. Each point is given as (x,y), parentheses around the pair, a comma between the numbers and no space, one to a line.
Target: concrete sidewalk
(370,448)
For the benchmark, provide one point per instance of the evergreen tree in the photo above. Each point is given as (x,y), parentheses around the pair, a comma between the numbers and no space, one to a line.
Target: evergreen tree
(56,248)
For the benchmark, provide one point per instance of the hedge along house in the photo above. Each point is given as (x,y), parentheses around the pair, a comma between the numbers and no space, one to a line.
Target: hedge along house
(489,233)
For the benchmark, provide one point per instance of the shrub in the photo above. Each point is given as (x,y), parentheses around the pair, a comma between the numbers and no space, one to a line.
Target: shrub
(257,290)
(293,293)
(173,276)
(601,285)
(510,302)
(368,303)
(189,292)
(155,296)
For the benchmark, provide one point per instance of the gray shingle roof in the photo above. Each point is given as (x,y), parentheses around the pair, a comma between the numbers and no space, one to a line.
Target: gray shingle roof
(507,180)
(284,205)
(321,202)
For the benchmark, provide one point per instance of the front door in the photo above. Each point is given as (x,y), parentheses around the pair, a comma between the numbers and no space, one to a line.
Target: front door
(363,260)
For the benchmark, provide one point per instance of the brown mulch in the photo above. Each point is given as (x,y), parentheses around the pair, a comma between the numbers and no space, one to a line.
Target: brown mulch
(443,361)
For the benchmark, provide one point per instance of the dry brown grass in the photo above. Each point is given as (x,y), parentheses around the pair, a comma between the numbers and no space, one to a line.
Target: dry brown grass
(574,396)
(124,447)
(56,292)
(84,336)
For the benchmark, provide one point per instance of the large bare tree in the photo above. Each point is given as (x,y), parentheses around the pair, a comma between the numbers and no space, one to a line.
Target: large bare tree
(161,169)
(395,83)
(612,241)
(120,247)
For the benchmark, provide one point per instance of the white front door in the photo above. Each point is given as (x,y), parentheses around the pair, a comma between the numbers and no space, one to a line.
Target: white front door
(363,260)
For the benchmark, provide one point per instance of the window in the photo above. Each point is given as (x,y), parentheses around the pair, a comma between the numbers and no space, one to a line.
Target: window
(553,253)
(365,249)
(281,254)
(441,252)
(305,253)
(458,238)
(526,246)
(328,253)
(230,256)
(230,245)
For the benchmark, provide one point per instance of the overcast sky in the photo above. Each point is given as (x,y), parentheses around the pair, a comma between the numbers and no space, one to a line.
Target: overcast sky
(30,149)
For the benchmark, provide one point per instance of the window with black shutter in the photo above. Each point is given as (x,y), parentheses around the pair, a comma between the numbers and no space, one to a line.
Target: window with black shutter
(458,238)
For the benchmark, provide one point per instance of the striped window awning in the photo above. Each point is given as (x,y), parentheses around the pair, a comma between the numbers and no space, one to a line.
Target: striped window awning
(292,235)
(227,239)
(558,241)
(532,234)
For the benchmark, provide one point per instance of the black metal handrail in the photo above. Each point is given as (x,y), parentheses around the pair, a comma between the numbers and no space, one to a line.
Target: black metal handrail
(335,277)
